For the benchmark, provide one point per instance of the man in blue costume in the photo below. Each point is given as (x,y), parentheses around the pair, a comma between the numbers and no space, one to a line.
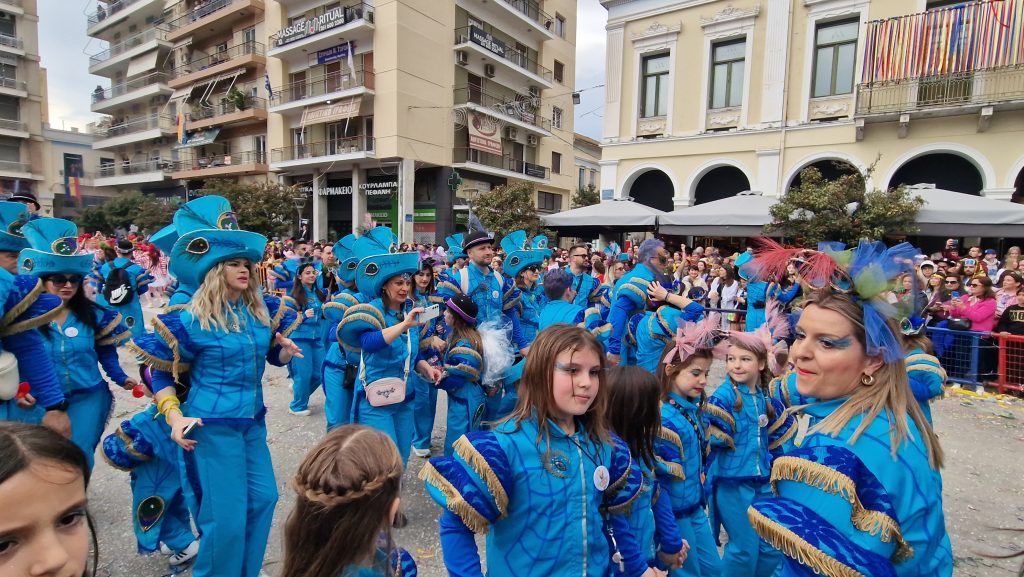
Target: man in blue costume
(128,304)
(586,287)
(285,272)
(630,294)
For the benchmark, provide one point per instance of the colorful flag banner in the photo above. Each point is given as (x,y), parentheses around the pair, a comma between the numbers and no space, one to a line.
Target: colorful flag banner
(72,177)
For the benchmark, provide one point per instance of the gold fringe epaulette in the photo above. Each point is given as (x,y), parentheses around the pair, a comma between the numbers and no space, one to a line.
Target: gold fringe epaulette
(714,431)
(797,549)
(472,372)
(22,306)
(109,328)
(292,326)
(784,437)
(454,500)
(275,322)
(626,506)
(601,330)
(468,453)
(674,469)
(636,290)
(115,339)
(452,287)
(671,436)
(32,323)
(467,352)
(719,412)
(929,369)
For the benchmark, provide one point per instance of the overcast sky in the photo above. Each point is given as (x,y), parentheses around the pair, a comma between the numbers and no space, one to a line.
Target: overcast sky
(64,49)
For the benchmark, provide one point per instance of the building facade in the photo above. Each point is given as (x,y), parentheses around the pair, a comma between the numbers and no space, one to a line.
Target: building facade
(588,161)
(705,99)
(68,177)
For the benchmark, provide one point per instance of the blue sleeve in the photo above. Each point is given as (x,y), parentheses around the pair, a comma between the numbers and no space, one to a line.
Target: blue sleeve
(632,555)
(29,349)
(161,380)
(107,355)
(372,341)
(517,330)
(458,547)
(790,294)
(666,531)
(580,317)
(618,317)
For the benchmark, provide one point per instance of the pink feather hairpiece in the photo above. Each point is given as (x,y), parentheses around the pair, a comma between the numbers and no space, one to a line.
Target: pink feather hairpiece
(691,337)
(769,337)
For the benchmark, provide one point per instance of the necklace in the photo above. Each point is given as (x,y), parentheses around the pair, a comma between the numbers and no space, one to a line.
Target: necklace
(696,431)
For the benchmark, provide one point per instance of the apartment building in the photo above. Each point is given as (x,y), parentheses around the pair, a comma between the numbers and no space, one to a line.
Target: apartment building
(587,152)
(405,111)
(22,101)
(185,100)
(705,99)
(68,173)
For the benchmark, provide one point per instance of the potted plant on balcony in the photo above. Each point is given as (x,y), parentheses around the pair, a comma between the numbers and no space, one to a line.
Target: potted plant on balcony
(238,98)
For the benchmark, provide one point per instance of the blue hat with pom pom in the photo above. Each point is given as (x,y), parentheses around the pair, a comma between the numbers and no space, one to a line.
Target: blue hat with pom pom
(13,216)
(53,248)
(210,235)
(379,260)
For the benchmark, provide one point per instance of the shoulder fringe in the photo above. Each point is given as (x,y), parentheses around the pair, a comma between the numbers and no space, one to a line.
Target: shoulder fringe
(454,500)
(714,431)
(362,312)
(635,290)
(22,306)
(109,328)
(32,323)
(716,411)
(155,362)
(796,548)
(467,351)
(114,339)
(876,523)
(784,437)
(294,325)
(672,437)
(465,450)
(626,506)
(674,469)
(172,343)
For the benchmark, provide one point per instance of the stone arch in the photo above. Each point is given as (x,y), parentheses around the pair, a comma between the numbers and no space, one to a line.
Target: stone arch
(971,155)
(825,161)
(698,177)
(652,185)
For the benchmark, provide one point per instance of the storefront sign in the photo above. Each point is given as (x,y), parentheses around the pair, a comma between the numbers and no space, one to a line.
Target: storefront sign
(484,133)
(534,170)
(332,112)
(334,53)
(297,31)
(484,39)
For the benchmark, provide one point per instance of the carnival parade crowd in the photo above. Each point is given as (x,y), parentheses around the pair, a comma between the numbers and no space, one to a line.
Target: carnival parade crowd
(583,435)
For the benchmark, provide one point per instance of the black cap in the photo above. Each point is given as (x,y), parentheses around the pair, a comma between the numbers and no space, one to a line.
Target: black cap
(25,197)
(463,306)
(125,245)
(476,238)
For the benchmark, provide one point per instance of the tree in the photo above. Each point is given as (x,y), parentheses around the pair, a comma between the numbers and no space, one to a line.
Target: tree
(146,212)
(843,210)
(261,207)
(509,208)
(586,196)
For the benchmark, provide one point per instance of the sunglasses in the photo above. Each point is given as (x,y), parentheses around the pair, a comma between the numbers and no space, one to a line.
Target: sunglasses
(532,268)
(61,280)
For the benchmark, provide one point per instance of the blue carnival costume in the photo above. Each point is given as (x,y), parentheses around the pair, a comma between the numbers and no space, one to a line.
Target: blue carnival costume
(927,378)
(587,287)
(628,297)
(522,252)
(655,330)
(307,370)
(399,563)
(340,364)
(228,478)
(361,331)
(537,501)
(131,311)
(564,312)
(463,365)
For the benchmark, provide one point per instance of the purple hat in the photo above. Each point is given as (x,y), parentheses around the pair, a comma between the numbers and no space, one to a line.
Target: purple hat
(463,306)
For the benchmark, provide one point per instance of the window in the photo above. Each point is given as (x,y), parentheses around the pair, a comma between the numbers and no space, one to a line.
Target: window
(556,163)
(728,60)
(10,149)
(560,25)
(593,178)
(654,86)
(582,178)
(549,201)
(835,54)
(10,107)
(556,117)
(7,25)
(559,72)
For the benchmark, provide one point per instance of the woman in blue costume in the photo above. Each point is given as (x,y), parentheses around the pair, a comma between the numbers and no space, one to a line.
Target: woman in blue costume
(523,258)
(223,339)
(682,446)
(633,414)
(82,336)
(386,333)
(424,406)
(860,493)
(462,367)
(550,486)
(307,301)
(347,499)
(340,364)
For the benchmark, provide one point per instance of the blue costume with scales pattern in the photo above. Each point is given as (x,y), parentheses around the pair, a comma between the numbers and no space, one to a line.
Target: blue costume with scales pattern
(462,365)
(628,297)
(656,329)
(307,371)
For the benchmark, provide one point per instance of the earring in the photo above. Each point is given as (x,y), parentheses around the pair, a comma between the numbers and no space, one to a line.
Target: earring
(867,380)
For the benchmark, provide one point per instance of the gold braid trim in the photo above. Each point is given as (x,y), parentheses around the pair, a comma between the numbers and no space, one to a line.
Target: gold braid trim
(626,506)
(32,323)
(784,438)
(672,437)
(827,479)
(115,340)
(777,423)
(370,310)
(336,305)
(466,351)
(714,431)
(109,328)
(289,302)
(22,306)
(155,362)
(635,289)
(674,469)
(473,372)
(435,299)
(454,500)
(129,446)
(175,308)
(291,328)
(928,369)
(113,464)
(172,343)
(276,320)
(512,303)
(925,357)
(468,453)
(721,413)
(796,548)
(598,331)
(621,481)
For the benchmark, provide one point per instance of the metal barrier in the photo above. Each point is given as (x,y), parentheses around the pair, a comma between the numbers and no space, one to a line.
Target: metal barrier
(1011,362)
(964,355)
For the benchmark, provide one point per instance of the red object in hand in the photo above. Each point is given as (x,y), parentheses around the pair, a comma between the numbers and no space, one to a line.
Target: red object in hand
(139,391)
(23,390)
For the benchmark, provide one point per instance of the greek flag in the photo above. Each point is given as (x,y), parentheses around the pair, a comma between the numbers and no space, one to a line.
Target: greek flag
(266,82)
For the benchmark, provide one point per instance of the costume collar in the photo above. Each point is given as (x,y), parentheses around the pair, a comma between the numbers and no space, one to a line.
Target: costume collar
(682,401)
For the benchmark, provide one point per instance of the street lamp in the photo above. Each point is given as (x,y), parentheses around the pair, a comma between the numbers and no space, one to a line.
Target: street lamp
(300,203)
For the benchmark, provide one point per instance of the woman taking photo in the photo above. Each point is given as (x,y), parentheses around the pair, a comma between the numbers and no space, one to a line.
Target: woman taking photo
(307,300)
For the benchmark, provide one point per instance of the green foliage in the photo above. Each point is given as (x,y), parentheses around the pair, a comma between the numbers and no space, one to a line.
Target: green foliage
(843,210)
(509,208)
(147,212)
(260,207)
(586,196)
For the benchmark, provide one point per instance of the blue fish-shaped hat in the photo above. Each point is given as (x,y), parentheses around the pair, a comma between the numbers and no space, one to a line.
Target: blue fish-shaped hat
(13,216)
(454,244)
(347,260)
(52,248)
(379,260)
(165,238)
(521,251)
(209,234)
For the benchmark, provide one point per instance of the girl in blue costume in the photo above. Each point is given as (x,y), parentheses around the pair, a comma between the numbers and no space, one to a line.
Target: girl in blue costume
(550,485)
(924,371)
(425,404)
(860,492)
(223,339)
(747,426)
(682,446)
(656,328)
(462,367)
(82,336)
(633,414)
(386,333)
(348,497)
(340,364)
(307,301)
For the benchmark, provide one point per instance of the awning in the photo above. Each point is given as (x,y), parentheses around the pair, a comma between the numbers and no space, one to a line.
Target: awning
(142,64)
(200,138)
(183,92)
(745,214)
(622,215)
(323,113)
(182,43)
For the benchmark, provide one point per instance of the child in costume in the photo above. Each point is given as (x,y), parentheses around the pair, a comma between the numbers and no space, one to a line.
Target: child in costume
(523,259)
(860,492)
(560,308)
(924,371)
(307,301)
(549,485)
(657,327)
(462,367)
(683,446)
(633,414)
(348,494)
(130,307)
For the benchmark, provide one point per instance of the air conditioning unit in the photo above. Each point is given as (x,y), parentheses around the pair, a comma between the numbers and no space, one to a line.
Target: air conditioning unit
(489,70)
(532,140)
(462,57)
(535,91)
(511,133)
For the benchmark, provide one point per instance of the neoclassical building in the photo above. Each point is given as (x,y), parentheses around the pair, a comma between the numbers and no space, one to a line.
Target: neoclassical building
(707,98)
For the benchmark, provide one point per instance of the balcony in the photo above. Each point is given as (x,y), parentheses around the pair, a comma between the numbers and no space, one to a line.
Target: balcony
(105,16)
(226,112)
(143,88)
(12,6)
(220,165)
(126,173)
(13,87)
(499,165)
(12,45)
(14,169)
(239,56)
(488,55)
(963,92)
(319,154)
(122,51)
(514,15)
(512,109)
(213,17)
(296,96)
(14,128)
(352,22)
(135,130)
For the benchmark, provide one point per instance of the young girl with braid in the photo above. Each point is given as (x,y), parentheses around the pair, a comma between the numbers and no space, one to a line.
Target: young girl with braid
(348,497)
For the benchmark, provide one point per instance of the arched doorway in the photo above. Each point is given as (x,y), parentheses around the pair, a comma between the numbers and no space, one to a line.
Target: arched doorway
(719,183)
(830,169)
(945,170)
(653,188)
(1018,188)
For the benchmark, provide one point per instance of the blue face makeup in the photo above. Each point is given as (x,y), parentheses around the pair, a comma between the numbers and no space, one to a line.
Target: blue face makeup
(843,343)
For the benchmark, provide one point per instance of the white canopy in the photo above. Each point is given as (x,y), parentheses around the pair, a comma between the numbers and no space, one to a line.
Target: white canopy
(948,213)
(742,215)
(621,214)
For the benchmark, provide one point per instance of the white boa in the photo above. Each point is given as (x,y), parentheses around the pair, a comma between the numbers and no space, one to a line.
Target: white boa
(497,353)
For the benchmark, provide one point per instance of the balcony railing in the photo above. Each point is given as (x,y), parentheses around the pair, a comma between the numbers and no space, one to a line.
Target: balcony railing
(136,125)
(132,168)
(13,83)
(501,162)
(326,148)
(328,20)
(220,160)
(530,9)
(6,124)
(499,48)
(963,88)
(130,86)
(127,44)
(102,13)
(11,41)
(198,12)
(517,106)
(321,85)
(14,166)
(246,48)
(201,112)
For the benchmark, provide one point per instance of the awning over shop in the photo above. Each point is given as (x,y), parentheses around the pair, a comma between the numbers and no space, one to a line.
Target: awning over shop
(182,43)
(143,64)
(742,215)
(948,213)
(623,215)
(200,138)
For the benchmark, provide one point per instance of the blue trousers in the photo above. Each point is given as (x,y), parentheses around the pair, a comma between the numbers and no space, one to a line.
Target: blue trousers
(424,407)
(10,411)
(745,553)
(231,480)
(395,421)
(306,373)
(465,411)
(88,412)
(337,399)
(175,526)
(703,560)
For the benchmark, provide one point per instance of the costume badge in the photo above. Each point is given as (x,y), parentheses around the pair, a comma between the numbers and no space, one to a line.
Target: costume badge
(762,421)
(495,295)
(71,332)
(557,463)
(601,477)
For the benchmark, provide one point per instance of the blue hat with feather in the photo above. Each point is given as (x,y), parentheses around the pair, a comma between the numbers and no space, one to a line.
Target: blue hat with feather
(209,234)
(520,252)
(13,216)
(53,248)
(346,258)
(454,244)
(379,260)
